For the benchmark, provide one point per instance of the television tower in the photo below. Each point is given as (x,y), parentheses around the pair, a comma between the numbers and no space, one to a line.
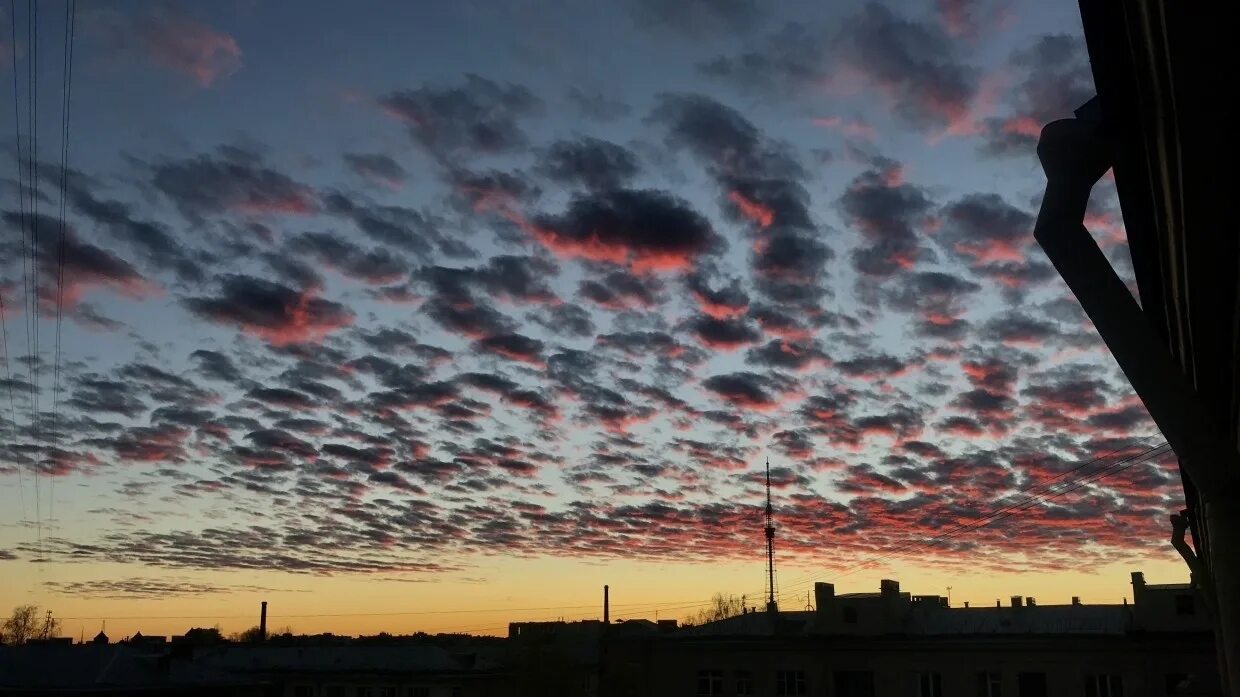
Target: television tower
(771,605)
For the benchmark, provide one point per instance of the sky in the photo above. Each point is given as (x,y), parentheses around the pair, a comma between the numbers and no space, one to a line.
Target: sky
(432,316)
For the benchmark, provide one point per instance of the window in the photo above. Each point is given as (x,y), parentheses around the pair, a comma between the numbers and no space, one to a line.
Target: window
(303,691)
(850,615)
(1184,605)
(1104,685)
(709,683)
(854,683)
(1031,684)
(744,683)
(334,691)
(388,691)
(989,685)
(419,691)
(929,685)
(789,683)
(456,691)
(365,691)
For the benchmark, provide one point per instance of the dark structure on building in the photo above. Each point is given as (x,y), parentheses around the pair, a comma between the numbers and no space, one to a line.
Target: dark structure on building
(893,644)
(1159,67)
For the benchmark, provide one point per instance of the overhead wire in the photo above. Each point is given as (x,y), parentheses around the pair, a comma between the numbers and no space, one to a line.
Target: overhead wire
(25,223)
(66,95)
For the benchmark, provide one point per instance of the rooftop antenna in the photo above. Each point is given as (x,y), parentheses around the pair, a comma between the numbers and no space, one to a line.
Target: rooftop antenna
(771,605)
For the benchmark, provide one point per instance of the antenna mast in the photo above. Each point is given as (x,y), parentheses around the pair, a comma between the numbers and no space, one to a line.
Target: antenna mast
(771,605)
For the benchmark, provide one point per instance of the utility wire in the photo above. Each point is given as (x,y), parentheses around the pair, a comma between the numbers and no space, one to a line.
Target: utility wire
(66,95)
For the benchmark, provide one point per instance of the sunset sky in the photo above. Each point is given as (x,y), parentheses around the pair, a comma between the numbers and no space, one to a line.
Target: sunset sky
(434,315)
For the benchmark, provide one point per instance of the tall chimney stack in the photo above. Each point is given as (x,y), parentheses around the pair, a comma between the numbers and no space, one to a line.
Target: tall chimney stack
(262,623)
(606,605)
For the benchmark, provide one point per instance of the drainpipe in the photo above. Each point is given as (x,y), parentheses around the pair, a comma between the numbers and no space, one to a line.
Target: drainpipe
(1075,154)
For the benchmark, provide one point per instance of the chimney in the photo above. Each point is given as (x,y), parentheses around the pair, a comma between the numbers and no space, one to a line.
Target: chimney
(606,605)
(1076,600)
(262,623)
(824,596)
(966,605)
(1017,601)
(1031,602)
(888,587)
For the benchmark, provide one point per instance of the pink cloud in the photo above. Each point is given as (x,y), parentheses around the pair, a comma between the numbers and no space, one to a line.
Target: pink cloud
(185,45)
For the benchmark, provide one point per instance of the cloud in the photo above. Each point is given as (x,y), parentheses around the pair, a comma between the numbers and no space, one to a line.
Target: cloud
(270,311)
(621,290)
(747,390)
(478,116)
(790,61)
(230,181)
(1054,80)
(643,230)
(913,64)
(376,168)
(175,41)
(515,347)
(887,211)
(723,334)
(589,162)
(85,266)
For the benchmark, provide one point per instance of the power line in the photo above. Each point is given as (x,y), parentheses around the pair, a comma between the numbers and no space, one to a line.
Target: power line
(25,172)
(66,94)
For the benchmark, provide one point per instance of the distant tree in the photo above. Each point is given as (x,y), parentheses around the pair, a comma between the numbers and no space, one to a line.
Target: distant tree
(204,635)
(721,607)
(249,636)
(27,623)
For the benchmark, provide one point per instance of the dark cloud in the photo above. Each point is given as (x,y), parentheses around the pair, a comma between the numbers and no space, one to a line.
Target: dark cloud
(400,227)
(271,311)
(152,239)
(84,265)
(621,290)
(589,162)
(216,365)
(98,395)
(746,390)
(789,355)
(913,64)
(789,61)
(721,136)
(565,319)
(376,266)
(993,237)
(376,168)
(723,334)
(1055,79)
(644,230)
(230,181)
(515,347)
(887,211)
(477,116)
(937,299)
